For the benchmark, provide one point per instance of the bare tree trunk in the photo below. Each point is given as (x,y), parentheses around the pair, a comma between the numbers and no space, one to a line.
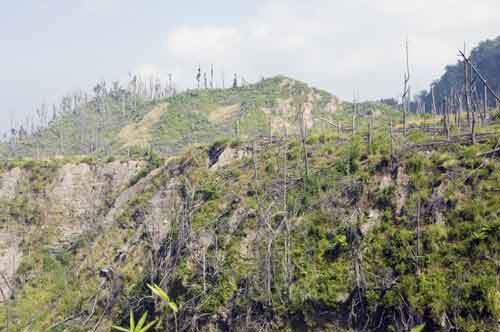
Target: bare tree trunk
(354,110)
(497,102)
(392,141)
(446,118)
(434,109)
(204,271)
(254,159)
(270,128)
(285,171)
(470,119)
(418,235)
(288,256)
(485,102)
(370,133)
(303,137)
(406,92)
(469,101)
(269,270)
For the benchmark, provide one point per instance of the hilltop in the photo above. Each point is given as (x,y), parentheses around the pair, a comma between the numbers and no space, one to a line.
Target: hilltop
(119,122)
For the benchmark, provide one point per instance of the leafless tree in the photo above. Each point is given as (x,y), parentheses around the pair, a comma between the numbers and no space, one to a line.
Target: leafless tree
(198,77)
(405,100)
(303,138)
(211,76)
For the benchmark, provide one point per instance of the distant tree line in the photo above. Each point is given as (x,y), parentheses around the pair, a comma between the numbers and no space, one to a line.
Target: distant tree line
(485,57)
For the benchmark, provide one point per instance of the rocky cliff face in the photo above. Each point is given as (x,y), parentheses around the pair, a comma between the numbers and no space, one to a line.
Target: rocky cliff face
(65,202)
(243,240)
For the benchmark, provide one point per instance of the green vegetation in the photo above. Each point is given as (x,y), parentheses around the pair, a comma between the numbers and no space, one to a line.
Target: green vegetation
(387,236)
(140,327)
(119,124)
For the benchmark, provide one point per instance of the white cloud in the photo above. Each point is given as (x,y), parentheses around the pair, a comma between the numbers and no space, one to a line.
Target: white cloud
(337,45)
(204,43)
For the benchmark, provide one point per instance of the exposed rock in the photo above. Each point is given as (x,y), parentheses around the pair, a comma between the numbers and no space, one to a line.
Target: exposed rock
(385,182)
(164,205)
(236,219)
(227,156)
(9,182)
(286,83)
(120,204)
(119,173)
(369,225)
(246,244)
(438,204)
(402,182)
(75,191)
(308,116)
(332,106)
(10,258)
(81,190)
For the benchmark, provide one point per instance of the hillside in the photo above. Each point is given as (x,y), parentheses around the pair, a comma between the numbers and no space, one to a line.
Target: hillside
(118,122)
(332,235)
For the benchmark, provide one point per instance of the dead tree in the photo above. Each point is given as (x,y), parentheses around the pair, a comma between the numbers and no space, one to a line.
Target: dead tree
(479,76)
(238,129)
(434,109)
(460,111)
(235,81)
(270,128)
(446,124)
(254,160)
(198,77)
(406,89)
(211,76)
(468,68)
(354,111)
(391,136)
(418,235)
(303,138)
(287,264)
(370,132)
(470,123)
(485,104)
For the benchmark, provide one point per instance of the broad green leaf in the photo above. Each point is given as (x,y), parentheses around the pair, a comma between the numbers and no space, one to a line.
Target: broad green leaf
(164,296)
(418,328)
(148,326)
(173,306)
(132,321)
(141,321)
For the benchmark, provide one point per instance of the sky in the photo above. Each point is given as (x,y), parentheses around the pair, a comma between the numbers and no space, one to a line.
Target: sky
(52,47)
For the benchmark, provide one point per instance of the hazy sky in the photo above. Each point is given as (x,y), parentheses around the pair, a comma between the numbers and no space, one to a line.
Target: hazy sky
(49,47)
